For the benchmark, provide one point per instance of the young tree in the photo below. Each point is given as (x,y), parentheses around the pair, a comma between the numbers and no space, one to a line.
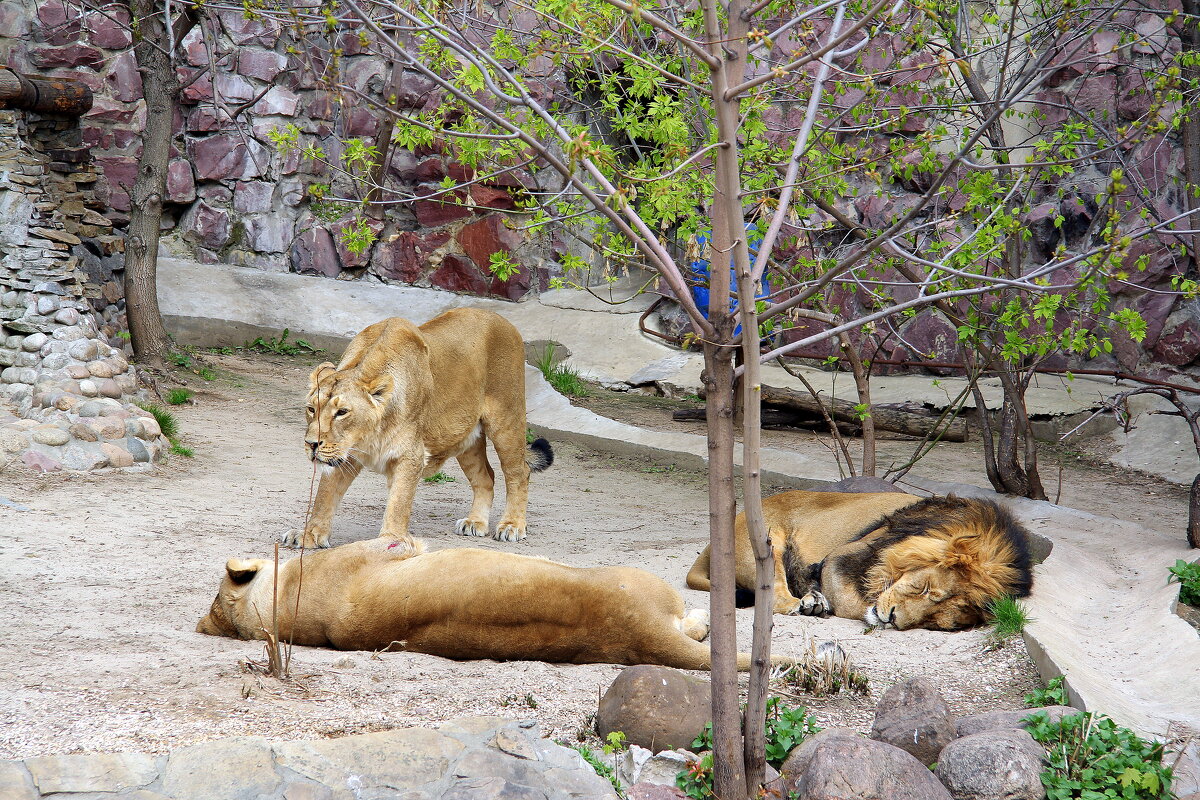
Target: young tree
(750,126)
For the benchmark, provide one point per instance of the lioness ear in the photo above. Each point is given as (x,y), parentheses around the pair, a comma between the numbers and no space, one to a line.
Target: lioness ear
(379,389)
(315,377)
(243,570)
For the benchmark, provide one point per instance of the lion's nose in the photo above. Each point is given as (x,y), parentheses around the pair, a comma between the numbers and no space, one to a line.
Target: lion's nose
(312,447)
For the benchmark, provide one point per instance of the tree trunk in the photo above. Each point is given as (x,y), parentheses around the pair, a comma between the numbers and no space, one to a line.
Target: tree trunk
(1189,38)
(161,89)
(885,417)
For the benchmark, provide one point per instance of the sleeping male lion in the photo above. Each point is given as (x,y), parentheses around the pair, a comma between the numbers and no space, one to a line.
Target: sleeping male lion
(888,558)
(405,399)
(463,603)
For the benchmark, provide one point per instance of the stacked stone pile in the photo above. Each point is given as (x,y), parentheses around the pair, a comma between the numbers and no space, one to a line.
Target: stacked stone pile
(64,376)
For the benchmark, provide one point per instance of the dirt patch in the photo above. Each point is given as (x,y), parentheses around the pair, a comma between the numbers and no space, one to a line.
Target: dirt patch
(107,575)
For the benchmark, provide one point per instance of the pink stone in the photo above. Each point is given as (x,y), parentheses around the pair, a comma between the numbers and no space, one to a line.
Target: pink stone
(253,197)
(181,183)
(1097,94)
(58,21)
(492,197)
(73,56)
(245,31)
(123,137)
(106,110)
(40,462)
(205,119)
(406,257)
(119,174)
(352,260)
(1133,95)
(415,90)
(14,23)
(124,81)
(480,240)
(206,225)
(1179,344)
(457,274)
(360,122)
(428,171)
(313,253)
(261,64)
(1152,33)
(109,30)
(226,156)
(194,48)
(195,89)
(269,233)
(278,101)
(234,87)
(435,213)
(321,106)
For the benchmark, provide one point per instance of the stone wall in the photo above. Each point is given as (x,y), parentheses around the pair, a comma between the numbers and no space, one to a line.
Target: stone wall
(65,382)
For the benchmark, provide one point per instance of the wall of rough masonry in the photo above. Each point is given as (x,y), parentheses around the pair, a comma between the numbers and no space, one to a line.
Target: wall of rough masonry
(233,198)
(65,381)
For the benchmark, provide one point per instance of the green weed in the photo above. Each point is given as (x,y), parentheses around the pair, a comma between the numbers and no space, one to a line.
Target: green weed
(1090,756)
(181,450)
(1008,617)
(1055,694)
(281,346)
(165,419)
(439,477)
(178,397)
(603,770)
(1188,577)
(564,379)
(206,373)
(222,351)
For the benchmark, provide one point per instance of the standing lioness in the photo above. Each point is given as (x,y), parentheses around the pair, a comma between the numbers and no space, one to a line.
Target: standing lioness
(404,399)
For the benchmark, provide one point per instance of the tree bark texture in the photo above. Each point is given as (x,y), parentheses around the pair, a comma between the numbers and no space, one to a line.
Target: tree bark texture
(1189,38)
(161,89)
(45,95)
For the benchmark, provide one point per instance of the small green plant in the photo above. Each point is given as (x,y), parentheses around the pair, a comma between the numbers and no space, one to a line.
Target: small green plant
(181,450)
(222,351)
(439,477)
(602,769)
(281,346)
(658,469)
(1055,694)
(178,397)
(124,335)
(512,700)
(561,377)
(1188,577)
(179,359)
(1008,617)
(1091,757)
(206,373)
(786,728)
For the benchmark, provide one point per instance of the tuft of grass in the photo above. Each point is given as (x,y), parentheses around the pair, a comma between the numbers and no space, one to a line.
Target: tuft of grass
(165,419)
(439,477)
(1008,616)
(564,379)
(820,671)
(181,450)
(281,346)
(178,397)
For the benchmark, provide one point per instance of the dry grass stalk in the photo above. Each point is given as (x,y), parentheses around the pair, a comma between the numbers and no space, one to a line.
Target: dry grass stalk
(820,671)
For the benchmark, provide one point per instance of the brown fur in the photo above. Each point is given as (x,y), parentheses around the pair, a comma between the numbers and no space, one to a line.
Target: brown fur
(889,558)
(463,603)
(405,399)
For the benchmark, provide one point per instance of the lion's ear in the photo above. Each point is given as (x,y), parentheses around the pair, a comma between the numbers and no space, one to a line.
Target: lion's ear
(315,377)
(243,570)
(379,389)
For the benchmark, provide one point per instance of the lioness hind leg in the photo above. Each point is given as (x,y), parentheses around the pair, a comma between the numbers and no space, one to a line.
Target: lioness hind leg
(510,446)
(479,472)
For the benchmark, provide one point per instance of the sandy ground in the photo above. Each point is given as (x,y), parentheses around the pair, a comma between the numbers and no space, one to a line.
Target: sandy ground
(105,577)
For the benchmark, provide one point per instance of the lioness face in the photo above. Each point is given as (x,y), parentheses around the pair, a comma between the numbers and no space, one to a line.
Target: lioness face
(930,597)
(341,409)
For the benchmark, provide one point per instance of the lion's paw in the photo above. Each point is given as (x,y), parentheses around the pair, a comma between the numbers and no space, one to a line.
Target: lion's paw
(471,527)
(695,624)
(509,532)
(308,541)
(814,604)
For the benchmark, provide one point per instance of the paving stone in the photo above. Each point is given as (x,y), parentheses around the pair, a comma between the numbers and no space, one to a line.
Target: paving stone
(246,771)
(92,773)
(492,789)
(15,782)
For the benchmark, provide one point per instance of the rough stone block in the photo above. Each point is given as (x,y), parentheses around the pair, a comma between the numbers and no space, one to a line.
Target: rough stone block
(246,770)
(92,773)
(914,716)
(399,759)
(657,708)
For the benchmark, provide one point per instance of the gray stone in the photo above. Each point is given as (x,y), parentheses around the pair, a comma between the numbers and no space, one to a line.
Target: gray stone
(34,342)
(577,783)
(660,370)
(913,716)
(87,388)
(515,743)
(51,436)
(15,781)
(137,450)
(1186,780)
(107,387)
(10,299)
(639,765)
(993,765)
(48,305)
(835,765)
(12,441)
(491,789)
(7,357)
(56,361)
(92,773)
(90,409)
(650,791)
(399,759)
(28,359)
(19,375)
(246,770)
(658,708)
(67,316)
(83,457)
(1006,720)
(490,763)
(83,350)
(69,333)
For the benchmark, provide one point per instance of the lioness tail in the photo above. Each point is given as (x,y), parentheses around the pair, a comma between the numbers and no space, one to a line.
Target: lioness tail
(540,456)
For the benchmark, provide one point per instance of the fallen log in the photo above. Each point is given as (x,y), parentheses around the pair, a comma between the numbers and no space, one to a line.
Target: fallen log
(894,418)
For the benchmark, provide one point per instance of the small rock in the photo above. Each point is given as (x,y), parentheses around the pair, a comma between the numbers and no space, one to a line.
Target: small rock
(84,350)
(51,436)
(100,369)
(83,432)
(47,305)
(913,716)
(90,409)
(993,765)
(107,387)
(83,457)
(639,765)
(34,342)
(344,662)
(658,708)
(78,371)
(117,456)
(67,316)
(40,462)
(835,765)
(88,388)
(138,450)
(56,361)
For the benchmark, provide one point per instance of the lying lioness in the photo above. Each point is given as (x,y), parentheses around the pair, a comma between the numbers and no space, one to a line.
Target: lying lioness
(405,399)
(888,558)
(463,603)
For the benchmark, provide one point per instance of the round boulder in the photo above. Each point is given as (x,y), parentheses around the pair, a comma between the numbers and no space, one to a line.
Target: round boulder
(835,765)
(1007,720)
(658,708)
(993,765)
(914,716)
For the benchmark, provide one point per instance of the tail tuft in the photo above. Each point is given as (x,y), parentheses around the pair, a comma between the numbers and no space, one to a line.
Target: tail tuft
(540,456)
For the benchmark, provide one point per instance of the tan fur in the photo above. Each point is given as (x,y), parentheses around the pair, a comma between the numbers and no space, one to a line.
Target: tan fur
(463,603)
(403,400)
(963,554)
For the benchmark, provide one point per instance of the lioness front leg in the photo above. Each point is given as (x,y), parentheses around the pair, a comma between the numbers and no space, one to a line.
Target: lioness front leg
(332,488)
(402,476)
